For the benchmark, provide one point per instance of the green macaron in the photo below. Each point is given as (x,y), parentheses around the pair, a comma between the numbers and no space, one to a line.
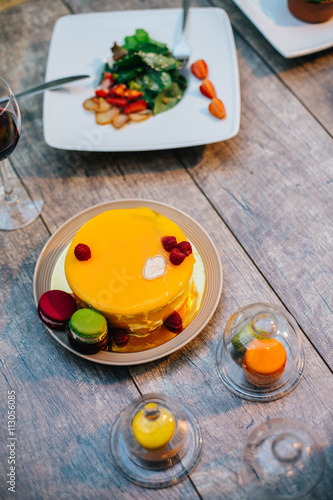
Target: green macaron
(243,338)
(88,325)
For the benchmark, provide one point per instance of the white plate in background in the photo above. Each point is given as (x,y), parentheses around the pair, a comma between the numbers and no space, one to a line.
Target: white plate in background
(288,35)
(81,42)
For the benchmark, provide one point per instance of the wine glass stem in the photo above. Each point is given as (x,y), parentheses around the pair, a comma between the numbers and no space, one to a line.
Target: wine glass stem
(7,189)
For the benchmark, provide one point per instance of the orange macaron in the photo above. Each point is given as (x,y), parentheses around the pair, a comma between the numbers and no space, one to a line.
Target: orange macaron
(264,361)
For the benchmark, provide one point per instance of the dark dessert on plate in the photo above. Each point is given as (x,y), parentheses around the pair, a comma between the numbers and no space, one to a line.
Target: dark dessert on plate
(55,309)
(311,11)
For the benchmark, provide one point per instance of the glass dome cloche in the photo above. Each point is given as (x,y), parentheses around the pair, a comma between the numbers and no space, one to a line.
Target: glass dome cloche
(260,356)
(282,459)
(155,441)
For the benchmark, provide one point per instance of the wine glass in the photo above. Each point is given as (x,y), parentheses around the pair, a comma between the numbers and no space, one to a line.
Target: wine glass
(21,201)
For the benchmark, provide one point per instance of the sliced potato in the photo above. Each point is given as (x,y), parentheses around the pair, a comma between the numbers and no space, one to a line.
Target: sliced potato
(141,115)
(91,104)
(103,105)
(120,120)
(107,116)
(116,112)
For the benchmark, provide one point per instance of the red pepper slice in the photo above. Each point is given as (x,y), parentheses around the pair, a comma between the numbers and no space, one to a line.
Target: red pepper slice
(102,92)
(132,94)
(117,101)
(108,76)
(104,88)
(119,90)
(135,106)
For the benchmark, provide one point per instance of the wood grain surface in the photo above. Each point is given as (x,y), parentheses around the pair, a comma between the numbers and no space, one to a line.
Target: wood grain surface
(7,4)
(272,186)
(262,196)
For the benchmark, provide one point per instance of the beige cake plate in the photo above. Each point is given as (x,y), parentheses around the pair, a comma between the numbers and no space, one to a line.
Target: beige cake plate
(195,233)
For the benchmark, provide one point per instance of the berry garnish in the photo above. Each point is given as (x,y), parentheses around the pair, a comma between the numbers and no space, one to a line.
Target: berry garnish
(82,252)
(216,108)
(185,247)
(207,89)
(199,69)
(120,337)
(176,256)
(169,243)
(174,322)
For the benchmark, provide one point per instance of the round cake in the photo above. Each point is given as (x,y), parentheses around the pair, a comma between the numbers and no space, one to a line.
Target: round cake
(121,264)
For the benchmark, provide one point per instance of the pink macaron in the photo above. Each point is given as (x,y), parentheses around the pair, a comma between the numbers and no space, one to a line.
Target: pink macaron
(55,309)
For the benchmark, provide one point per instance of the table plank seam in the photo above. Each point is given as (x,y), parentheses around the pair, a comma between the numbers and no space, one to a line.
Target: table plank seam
(71,11)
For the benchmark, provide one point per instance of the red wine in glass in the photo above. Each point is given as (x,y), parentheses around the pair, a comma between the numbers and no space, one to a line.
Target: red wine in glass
(9,133)
(21,200)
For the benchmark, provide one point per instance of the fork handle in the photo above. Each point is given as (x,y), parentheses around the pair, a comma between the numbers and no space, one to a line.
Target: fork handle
(186,7)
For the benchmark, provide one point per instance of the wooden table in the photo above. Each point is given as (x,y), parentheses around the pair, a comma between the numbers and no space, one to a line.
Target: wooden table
(265,197)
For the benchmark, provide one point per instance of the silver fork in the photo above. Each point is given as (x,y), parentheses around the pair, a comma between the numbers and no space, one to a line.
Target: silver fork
(182,49)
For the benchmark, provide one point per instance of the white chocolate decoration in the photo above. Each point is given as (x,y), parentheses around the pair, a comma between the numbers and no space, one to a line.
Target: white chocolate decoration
(154,267)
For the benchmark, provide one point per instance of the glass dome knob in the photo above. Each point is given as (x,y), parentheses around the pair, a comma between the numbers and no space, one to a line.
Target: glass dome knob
(287,447)
(151,411)
(264,324)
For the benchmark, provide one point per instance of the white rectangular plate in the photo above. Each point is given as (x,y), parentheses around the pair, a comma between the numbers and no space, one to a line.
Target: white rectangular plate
(79,45)
(288,35)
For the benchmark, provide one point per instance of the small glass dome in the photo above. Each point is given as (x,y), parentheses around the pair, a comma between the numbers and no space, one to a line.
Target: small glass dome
(281,460)
(260,356)
(155,441)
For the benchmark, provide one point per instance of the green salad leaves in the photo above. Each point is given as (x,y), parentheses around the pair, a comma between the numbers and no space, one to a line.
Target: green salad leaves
(148,66)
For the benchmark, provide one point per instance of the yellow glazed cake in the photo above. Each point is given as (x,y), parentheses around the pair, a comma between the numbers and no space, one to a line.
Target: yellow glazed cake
(129,277)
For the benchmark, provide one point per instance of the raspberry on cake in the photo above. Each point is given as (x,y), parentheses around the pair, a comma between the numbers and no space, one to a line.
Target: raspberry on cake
(117,281)
(82,252)
(169,243)
(176,257)
(185,247)
(120,337)
(174,322)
